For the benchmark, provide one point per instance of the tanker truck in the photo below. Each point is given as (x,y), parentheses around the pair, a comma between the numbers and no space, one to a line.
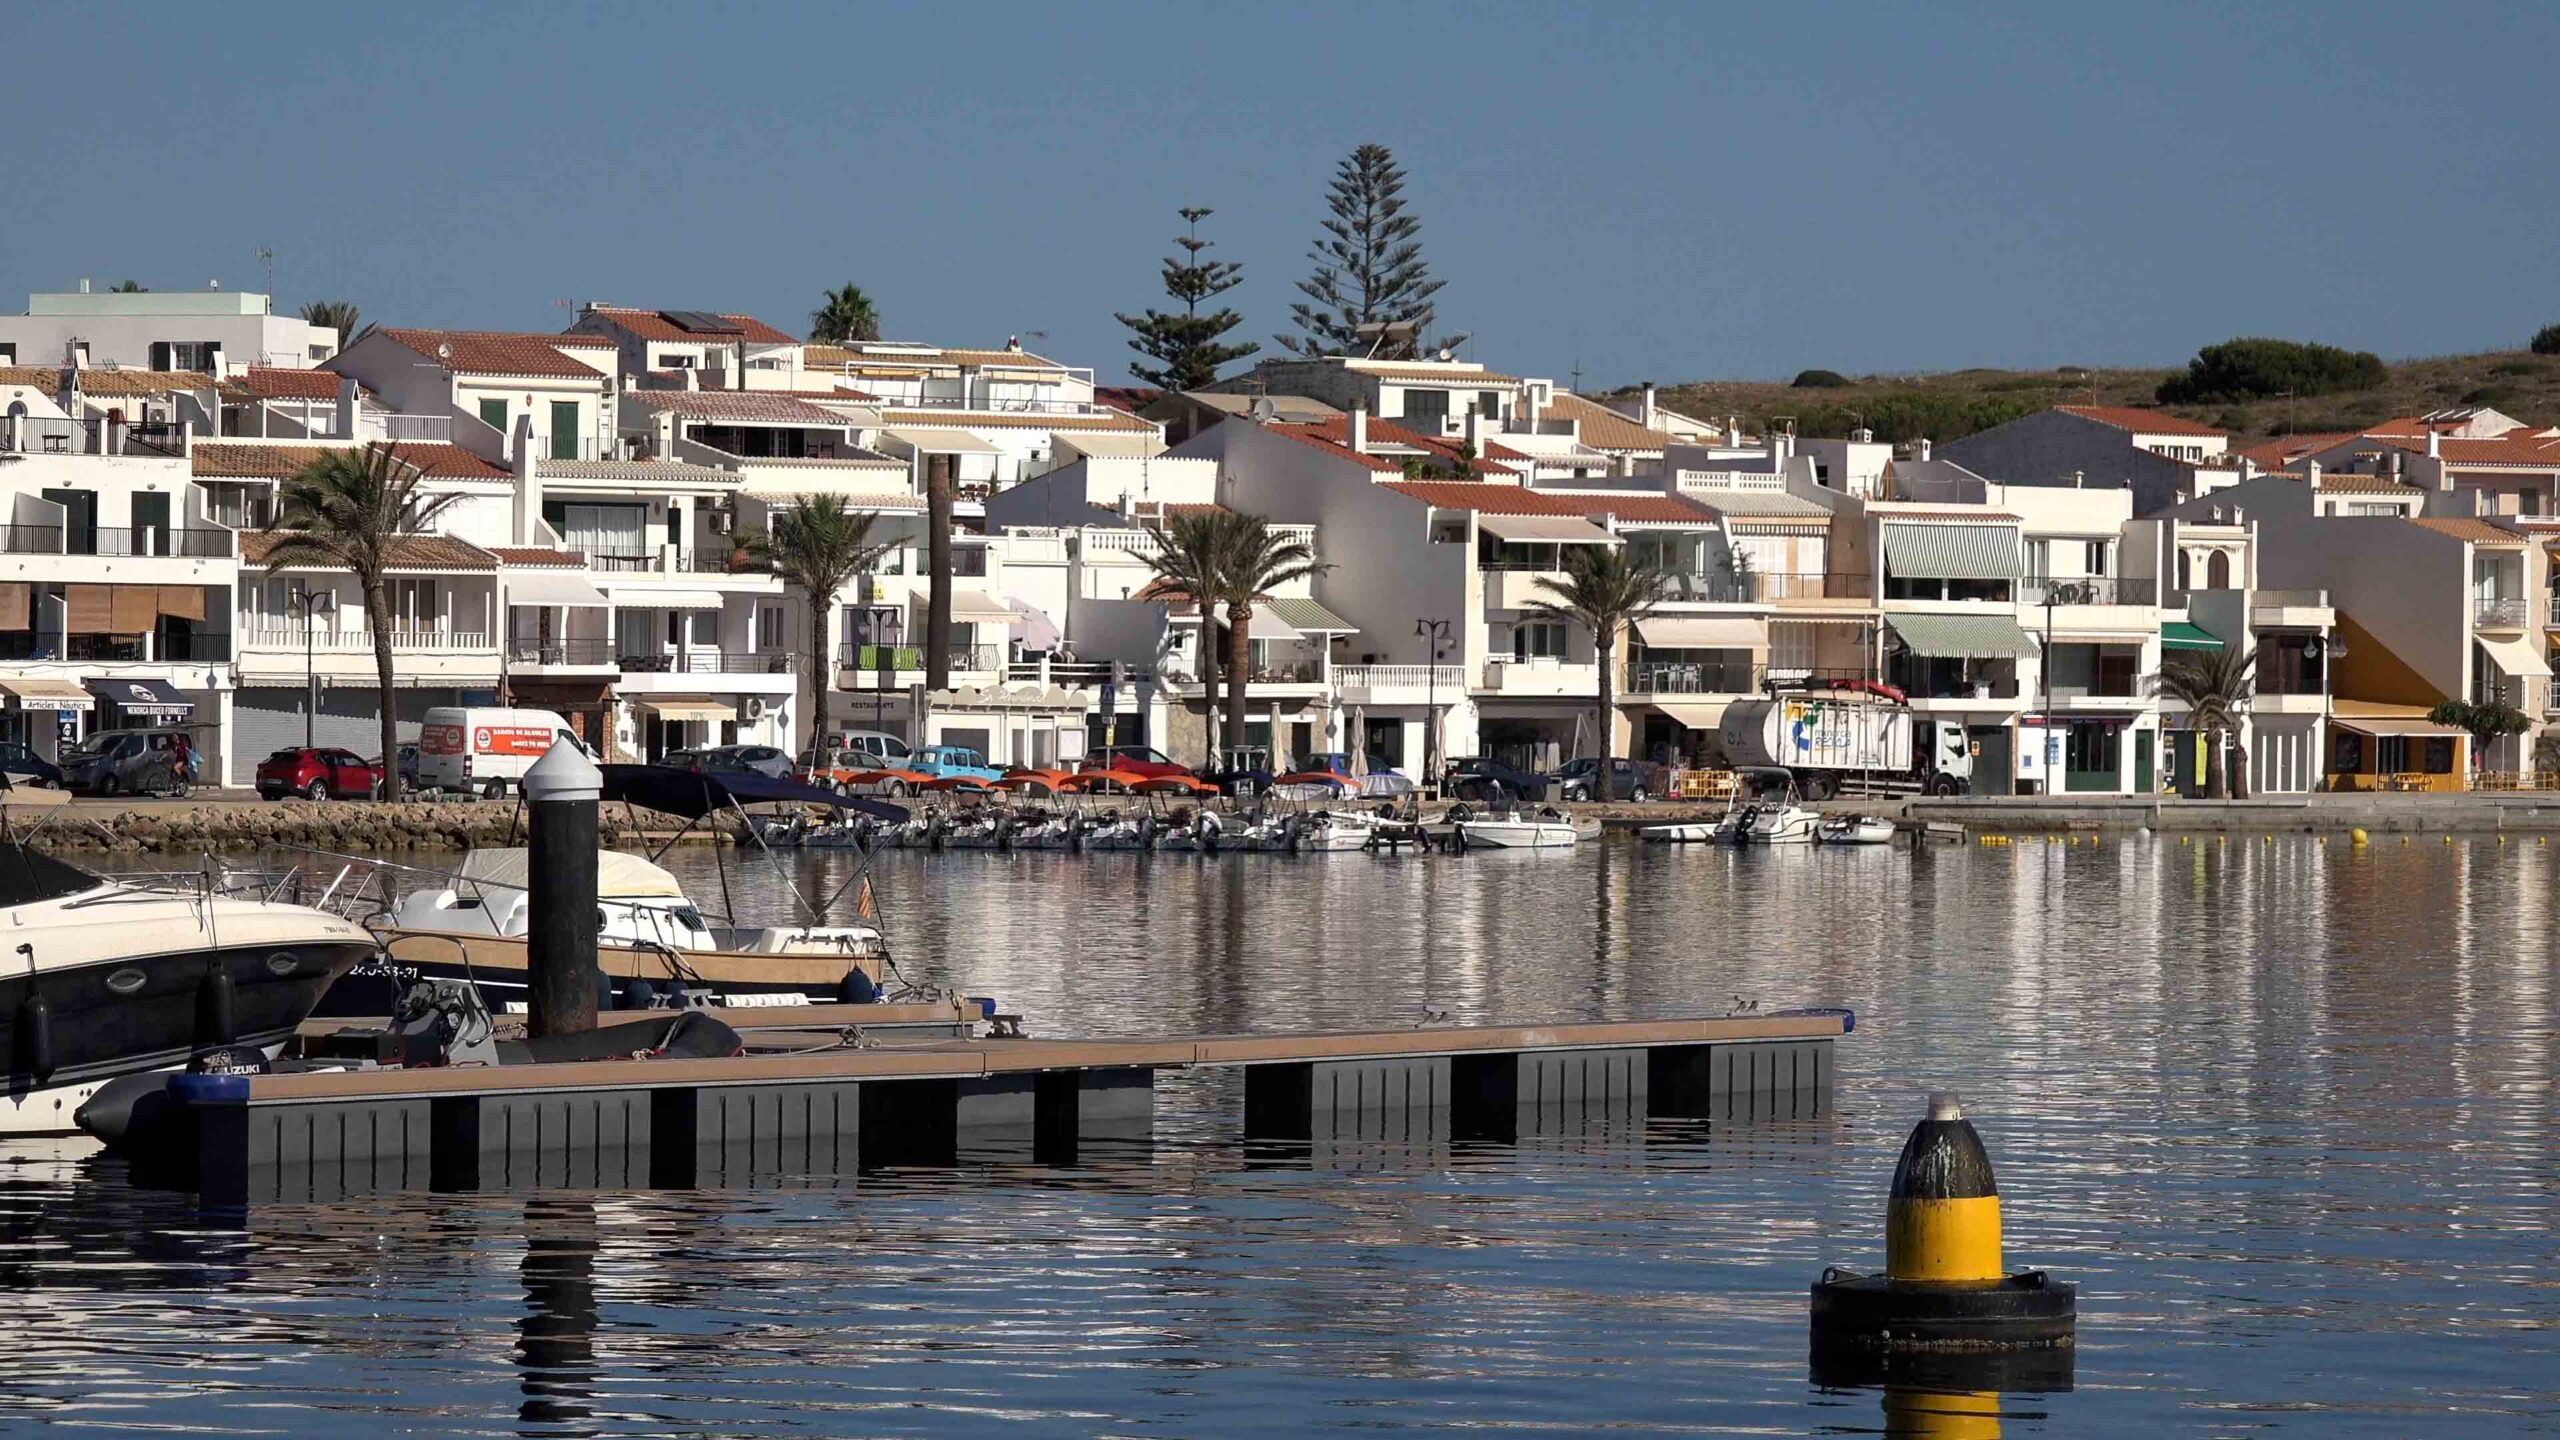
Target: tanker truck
(1849,732)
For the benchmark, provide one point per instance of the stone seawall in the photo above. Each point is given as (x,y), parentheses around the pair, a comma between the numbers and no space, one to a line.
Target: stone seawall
(2476,813)
(192,827)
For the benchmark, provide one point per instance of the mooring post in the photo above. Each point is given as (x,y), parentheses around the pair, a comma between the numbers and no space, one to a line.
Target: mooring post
(563,790)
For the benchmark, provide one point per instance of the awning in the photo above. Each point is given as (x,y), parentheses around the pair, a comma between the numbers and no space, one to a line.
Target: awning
(552,587)
(1951,552)
(47,694)
(2179,635)
(942,442)
(1544,529)
(1110,443)
(1033,627)
(2415,722)
(1696,714)
(873,489)
(1952,637)
(686,707)
(653,598)
(1303,614)
(973,607)
(142,696)
(1701,632)
(2516,657)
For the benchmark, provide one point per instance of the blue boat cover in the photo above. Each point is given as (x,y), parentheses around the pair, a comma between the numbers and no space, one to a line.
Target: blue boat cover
(692,794)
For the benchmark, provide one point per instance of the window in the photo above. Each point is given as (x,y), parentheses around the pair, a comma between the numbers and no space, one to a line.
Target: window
(1489,404)
(706,627)
(769,627)
(2096,561)
(414,605)
(1431,405)
(2218,571)
(2039,559)
(8,354)
(1537,640)
(192,355)
(564,429)
(493,413)
(675,362)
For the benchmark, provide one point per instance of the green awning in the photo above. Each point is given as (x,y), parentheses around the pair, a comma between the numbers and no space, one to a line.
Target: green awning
(1302,614)
(2179,635)
(1951,552)
(1961,637)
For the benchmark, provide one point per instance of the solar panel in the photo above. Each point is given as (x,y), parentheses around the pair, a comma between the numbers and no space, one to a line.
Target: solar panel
(700,322)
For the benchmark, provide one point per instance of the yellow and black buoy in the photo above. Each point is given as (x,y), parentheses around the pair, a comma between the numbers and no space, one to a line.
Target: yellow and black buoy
(1944,1286)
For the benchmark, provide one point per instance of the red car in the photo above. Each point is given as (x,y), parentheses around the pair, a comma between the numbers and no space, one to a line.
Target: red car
(1144,760)
(317,774)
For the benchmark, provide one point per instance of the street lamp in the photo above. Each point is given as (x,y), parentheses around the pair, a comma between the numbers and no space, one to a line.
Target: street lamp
(1435,635)
(302,597)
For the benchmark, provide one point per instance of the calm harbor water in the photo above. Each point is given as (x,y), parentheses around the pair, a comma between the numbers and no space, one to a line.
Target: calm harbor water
(2284,1110)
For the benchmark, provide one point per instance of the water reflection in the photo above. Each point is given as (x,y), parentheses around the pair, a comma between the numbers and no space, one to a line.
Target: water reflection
(2284,1110)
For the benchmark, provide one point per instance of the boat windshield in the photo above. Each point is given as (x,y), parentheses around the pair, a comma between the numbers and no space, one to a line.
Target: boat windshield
(27,876)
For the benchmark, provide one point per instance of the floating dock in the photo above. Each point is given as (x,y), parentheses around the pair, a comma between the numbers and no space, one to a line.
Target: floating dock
(830,1108)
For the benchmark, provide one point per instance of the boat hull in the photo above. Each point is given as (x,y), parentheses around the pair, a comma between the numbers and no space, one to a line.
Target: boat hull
(499,966)
(133,1013)
(1516,835)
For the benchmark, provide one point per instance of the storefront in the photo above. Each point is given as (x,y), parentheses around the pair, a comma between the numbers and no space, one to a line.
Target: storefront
(138,704)
(44,714)
(664,723)
(2378,746)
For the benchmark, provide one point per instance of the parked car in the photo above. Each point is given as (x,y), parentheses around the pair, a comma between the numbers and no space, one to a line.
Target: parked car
(731,760)
(318,773)
(24,767)
(123,762)
(1144,760)
(1628,779)
(944,761)
(1476,778)
(408,762)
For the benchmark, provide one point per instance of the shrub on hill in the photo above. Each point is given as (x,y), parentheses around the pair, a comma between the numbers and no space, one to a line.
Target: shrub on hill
(1939,415)
(2256,368)
(2546,341)
(1821,380)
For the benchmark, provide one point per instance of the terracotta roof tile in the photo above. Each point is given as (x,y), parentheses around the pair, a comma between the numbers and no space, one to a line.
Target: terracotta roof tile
(654,325)
(2277,454)
(2349,483)
(2140,421)
(2519,448)
(1013,420)
(224,459)
(105,383)
(495,352)
(1644,509)
(537,557)
(1491,499)
(269,382)
(408,552)
(1602,427)
(1335,435)
(756,405)
(2462,527)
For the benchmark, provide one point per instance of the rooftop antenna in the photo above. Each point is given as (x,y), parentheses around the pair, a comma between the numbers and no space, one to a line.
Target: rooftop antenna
(1576,373)
(267,257)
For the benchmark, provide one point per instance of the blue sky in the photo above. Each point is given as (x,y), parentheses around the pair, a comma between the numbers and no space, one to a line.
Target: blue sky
(1670,192)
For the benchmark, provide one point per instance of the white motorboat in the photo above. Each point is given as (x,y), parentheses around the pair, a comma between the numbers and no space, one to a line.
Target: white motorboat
(1334,831)
(1518,829)
(111,979)
(1687,832)
(1765,810)
(1853,830)
(1114,831)
(474,926)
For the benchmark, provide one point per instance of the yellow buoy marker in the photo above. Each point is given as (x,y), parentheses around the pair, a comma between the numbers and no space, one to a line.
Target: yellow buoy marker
(2358,836)
(1944,1283)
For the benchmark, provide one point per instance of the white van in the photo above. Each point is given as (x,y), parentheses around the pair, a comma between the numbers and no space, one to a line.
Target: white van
(468,748)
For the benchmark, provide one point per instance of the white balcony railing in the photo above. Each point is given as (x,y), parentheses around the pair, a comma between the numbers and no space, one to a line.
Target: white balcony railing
(418,429)
(1399,677)
(343,642)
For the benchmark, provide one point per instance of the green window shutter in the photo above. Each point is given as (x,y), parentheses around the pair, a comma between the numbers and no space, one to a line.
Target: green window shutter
(494,413)
(564,429)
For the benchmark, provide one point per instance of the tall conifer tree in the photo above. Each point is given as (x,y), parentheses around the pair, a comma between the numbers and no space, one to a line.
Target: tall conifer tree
(1371,289)
(1185,345)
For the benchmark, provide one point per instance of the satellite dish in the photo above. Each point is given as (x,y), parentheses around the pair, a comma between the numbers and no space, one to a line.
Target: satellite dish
(1264,412)
(444,349)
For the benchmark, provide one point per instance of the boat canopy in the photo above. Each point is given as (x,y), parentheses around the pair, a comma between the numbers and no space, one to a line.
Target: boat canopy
(971,784)
(27,876)
(620,875)
(692,794)
(1171,785)
(1314,777)
(1125,779)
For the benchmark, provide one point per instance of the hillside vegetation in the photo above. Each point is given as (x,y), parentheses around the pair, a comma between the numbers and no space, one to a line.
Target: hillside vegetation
(1957,403)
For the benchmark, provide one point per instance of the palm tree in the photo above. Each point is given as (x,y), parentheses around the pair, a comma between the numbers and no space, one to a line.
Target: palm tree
(1188,562)
(940,483)
(2216,687)
(1605,590)
(338,315)
(129,287)
(847,315)
(819,545)
(348,510)
(1253,563)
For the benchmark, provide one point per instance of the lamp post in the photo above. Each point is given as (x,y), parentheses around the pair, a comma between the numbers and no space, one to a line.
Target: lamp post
(2044,665)
(2328,650)
(303,595)
(1435,637)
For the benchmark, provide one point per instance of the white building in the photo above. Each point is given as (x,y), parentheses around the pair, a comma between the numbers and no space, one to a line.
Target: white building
(212,332)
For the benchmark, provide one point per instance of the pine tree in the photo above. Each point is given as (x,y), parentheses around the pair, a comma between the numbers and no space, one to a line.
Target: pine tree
(1185,346)
(1369,269)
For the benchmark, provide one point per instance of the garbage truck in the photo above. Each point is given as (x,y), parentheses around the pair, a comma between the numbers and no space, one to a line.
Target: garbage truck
(1848,732)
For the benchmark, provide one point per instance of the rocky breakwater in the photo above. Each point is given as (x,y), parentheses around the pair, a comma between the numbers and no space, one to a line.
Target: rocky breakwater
(342,826)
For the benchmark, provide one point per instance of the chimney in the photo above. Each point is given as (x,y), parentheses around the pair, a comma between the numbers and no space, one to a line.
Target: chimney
(692,378)
(2435,443)
(347,407)
(520,445)
(1529,393)
(2079,479)
(1920,448)
(2248,468)
(1013,344)
(2311,473)
(1359,426)
(1733,429)
(1475,431)
(84,284)
(1645,416)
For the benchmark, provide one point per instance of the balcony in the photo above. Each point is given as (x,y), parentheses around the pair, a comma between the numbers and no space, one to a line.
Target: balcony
(1398,684)
(118,542)
(1700,678)
(32,435)
(418,429)
(296,639)
(709,661)
(2499,612)
(2089,590)
(909,659)
(530,651)
(1507,589)
(1541,678)
(203,647)
(1782,587)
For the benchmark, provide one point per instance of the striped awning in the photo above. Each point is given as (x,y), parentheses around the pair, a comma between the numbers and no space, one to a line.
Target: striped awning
(1961,637)
(1299,613)
(1951,552)
(2180,635)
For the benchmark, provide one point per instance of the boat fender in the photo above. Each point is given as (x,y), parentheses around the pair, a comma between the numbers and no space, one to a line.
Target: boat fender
(604,990)
(1147,833)
(856,988)
(35,1038)
(636,993)
(128,1111)
(213,1006)
(1459,813)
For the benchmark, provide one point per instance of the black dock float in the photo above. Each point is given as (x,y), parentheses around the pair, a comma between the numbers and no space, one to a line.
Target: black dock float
(698,1123)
